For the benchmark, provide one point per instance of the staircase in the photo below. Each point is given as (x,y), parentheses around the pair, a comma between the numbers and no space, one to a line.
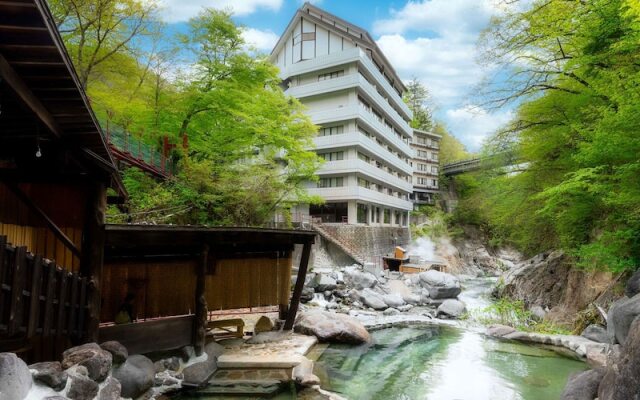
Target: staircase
(247,382)
(342,245)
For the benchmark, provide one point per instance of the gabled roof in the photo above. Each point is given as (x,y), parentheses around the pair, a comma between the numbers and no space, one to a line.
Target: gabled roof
(43,103)
(351,32)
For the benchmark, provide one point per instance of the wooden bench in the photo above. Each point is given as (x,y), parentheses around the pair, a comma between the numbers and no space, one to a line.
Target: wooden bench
(225,325)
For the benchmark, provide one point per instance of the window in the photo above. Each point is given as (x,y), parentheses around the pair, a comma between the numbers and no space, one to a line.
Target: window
(434,169)
(330,75)
(387,216)
(331,182)
(334,156)
(364,183)
(364,157)
(434,183)
(331,130)
(423,154)
(362,213)
(377,215)
(434,156)
(422,167)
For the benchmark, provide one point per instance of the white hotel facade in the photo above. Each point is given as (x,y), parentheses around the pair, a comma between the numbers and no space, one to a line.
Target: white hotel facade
(352,92)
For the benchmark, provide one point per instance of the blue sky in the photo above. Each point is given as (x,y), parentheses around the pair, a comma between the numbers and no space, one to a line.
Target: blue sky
(433,40)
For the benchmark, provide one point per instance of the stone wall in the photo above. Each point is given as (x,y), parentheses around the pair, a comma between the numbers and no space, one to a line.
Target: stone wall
(368,241)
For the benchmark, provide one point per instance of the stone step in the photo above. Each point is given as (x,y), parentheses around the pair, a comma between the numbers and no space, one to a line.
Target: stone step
(248,375)
(239,390)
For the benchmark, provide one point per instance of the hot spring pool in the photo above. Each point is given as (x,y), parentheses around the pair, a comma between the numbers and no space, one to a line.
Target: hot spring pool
(443,363)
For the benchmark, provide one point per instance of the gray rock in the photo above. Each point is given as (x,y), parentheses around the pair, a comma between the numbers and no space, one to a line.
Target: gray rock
(391,311)
(331,327)
(499,330)
(15,378)
(596,333)
(118,352)
(393,300)
(135,375)
(412,298)
(583,386)
(372,299)
(111,390)
(633,285)
(451,308)
(303,373)
(199,373)
(49,373)
(307,294)
(55,398)
(187,352)
(360,280)
(97,361)
(323,282)
(440,284)
(622,380)
(82,387)
(159,366)
(538,312)
(620,317)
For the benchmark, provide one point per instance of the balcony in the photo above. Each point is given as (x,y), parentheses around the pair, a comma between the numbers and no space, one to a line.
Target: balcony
(359,193)
(368,170)
(345,57)
(352,81)
(357,139)
(356,112)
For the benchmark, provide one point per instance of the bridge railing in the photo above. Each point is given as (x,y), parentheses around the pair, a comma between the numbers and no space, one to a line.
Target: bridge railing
(123,141)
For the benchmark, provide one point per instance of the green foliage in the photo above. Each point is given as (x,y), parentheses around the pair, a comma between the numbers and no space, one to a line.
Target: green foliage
(438,224)
(418,99)
(248,144)
(575,134)
(514,314)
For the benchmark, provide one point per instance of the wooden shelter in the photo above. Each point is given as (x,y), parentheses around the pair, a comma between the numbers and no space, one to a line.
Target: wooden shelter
(55,169)
(176,273)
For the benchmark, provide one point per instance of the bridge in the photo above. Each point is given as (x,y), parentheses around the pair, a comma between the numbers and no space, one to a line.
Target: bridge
(134,152)
(502,159)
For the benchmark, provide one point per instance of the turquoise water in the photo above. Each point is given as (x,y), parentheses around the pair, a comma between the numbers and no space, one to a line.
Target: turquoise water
(443,363)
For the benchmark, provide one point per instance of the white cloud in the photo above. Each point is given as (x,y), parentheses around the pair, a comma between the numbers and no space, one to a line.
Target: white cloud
(435,41)
(182,10)
(473,124)
(261,40)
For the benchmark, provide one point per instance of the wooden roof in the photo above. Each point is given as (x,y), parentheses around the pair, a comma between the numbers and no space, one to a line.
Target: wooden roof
(175,240)
(41,99)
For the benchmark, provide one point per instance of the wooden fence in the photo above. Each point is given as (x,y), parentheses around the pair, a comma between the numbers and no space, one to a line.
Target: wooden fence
(42,306)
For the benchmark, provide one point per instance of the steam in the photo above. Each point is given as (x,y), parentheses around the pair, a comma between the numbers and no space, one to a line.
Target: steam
(423,248)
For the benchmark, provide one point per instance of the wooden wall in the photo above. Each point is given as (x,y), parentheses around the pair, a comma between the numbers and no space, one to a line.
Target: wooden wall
(64,204)
(167,288)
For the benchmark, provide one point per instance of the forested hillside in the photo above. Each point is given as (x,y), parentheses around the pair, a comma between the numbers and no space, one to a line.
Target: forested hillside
(572,69)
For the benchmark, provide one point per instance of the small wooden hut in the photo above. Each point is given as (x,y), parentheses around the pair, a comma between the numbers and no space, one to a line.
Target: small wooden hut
(175,274)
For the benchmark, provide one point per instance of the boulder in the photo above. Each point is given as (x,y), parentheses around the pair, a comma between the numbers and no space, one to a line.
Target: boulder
(622,380)
(440,284)
(451,308)
(499,330)
(394,300)
(537,312)
(391,311)
(91,356)
(118,352)
(111,389)
(303,373)
(82,387)
(49,373)
(372,299)
(412,298)
(199,373)
(633,285)
(597,333)
(620,317)
(332,327)
(55,398)
(15,378)
(360,280)
(323,282)
(135,375)
(307,294)
(583,386)
(264,324)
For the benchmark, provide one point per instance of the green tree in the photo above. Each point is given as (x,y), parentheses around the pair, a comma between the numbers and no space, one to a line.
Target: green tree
(573,68)
(418,99)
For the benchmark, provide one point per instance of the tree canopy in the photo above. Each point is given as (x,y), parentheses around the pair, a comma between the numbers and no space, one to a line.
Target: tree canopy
(573,69)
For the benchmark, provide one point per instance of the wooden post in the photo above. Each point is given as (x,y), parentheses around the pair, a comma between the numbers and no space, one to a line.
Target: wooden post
(199,330)
(93,254)
(297,291)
